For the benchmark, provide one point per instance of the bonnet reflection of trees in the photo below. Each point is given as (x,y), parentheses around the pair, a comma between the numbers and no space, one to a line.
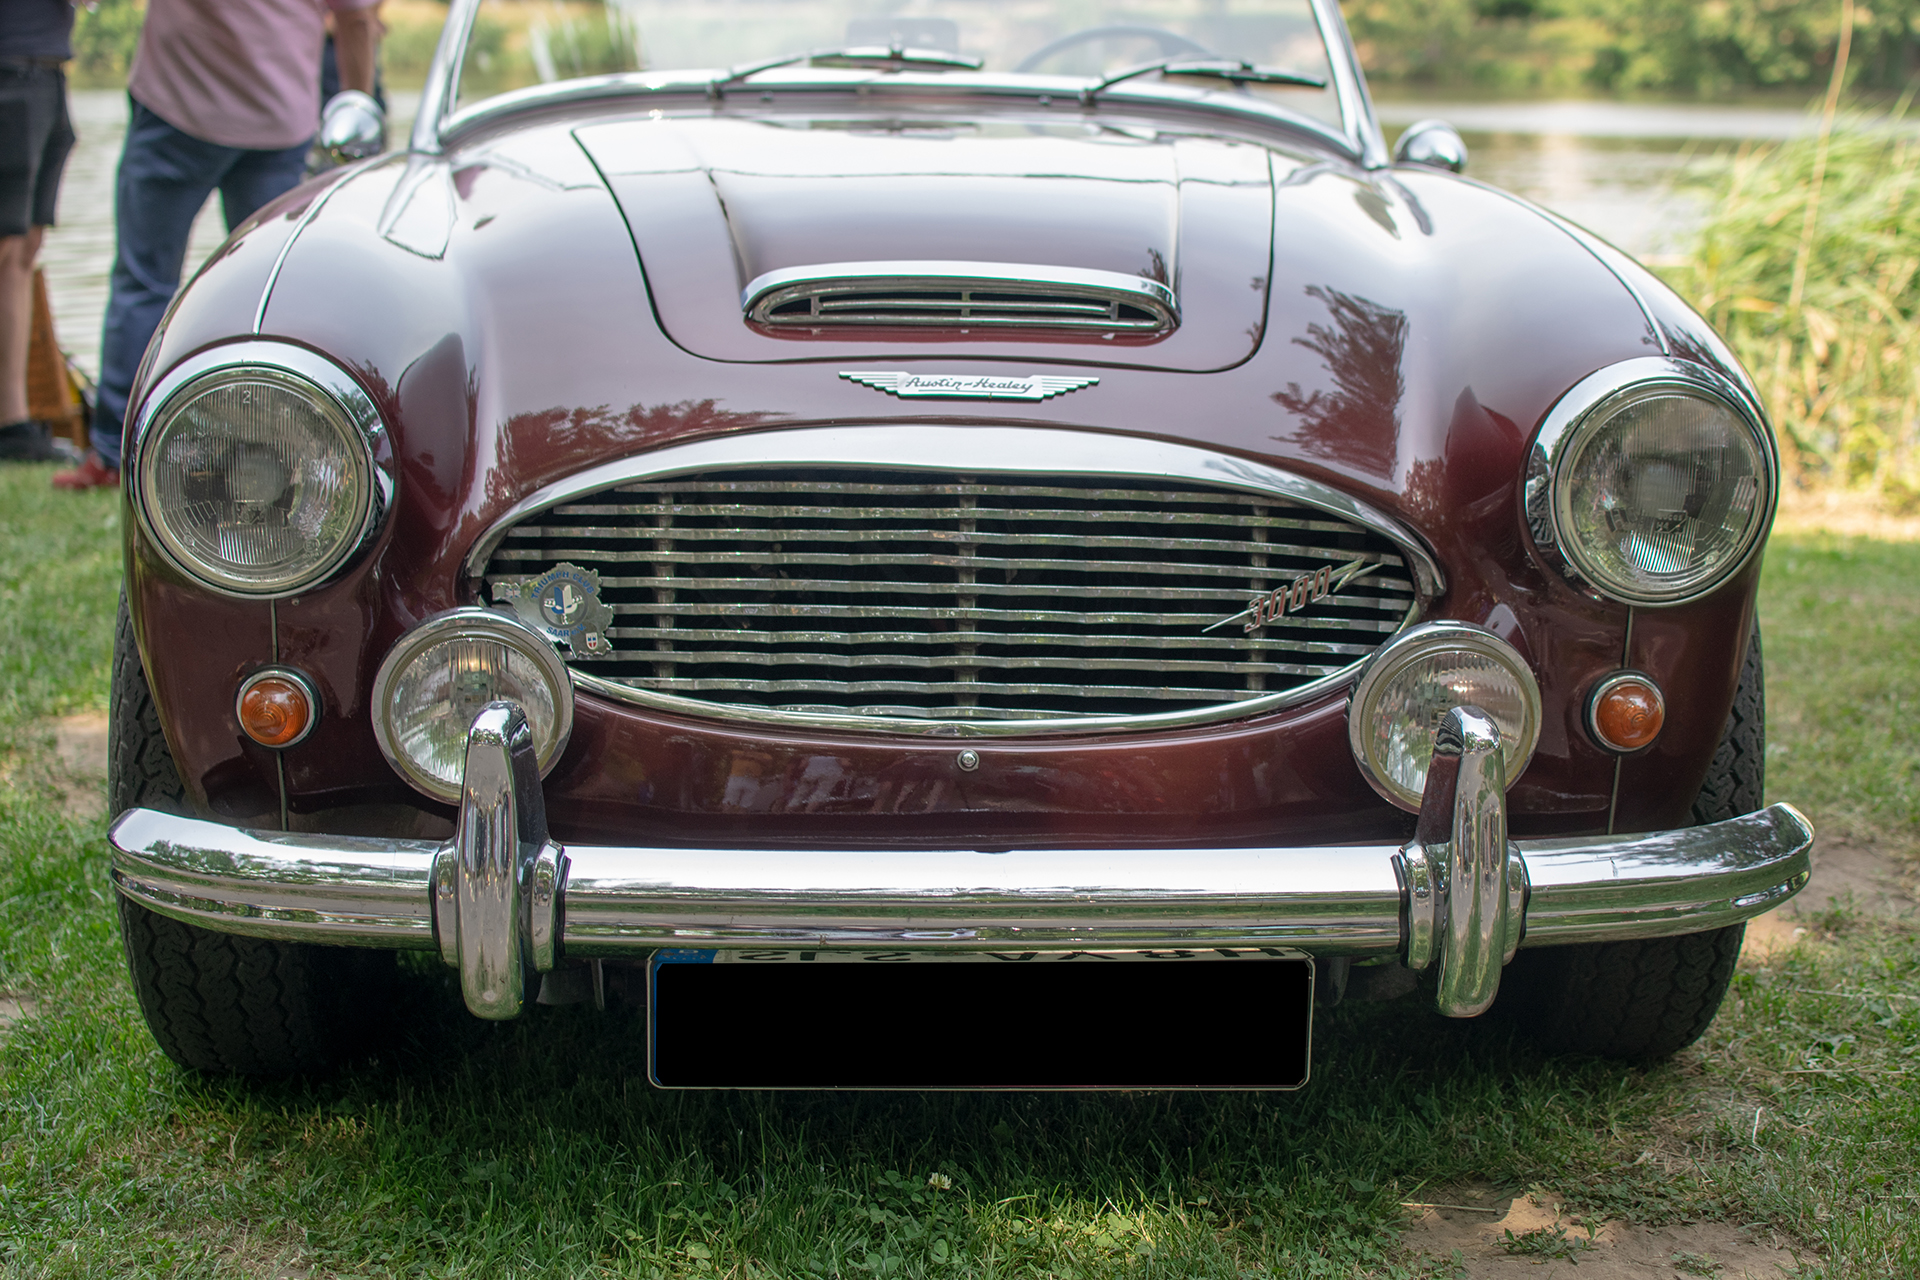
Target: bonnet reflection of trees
(1356,422)
(560,437)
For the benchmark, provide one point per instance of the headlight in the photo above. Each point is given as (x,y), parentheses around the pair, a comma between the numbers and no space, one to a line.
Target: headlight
(444,672)
(257,475)
(1659,481)
(1419,676)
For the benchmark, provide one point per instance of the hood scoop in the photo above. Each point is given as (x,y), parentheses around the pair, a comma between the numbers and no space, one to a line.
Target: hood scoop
(795,238)
(959,295)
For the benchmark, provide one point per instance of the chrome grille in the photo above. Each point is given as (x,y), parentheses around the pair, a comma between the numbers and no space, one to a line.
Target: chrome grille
(990,598)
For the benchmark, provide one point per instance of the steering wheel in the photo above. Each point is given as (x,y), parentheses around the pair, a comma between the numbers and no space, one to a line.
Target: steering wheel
(1172,43)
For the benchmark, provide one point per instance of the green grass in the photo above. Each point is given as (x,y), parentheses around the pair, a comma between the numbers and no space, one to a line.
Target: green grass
(535,1148)
(1841,619)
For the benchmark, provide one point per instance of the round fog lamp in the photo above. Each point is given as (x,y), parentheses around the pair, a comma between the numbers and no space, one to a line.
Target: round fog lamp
(1626,711)
(443,673)
(277,708)
(1411,684)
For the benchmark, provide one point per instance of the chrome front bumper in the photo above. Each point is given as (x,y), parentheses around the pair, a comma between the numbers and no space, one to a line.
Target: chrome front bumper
(502,899)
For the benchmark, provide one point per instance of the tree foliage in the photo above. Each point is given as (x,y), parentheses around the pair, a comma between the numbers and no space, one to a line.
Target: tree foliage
(1670,46)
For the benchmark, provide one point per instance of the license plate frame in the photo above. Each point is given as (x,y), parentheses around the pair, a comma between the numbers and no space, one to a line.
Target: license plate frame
(1187,1019)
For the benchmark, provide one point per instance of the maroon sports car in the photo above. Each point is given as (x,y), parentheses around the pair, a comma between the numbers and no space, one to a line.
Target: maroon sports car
(981,546)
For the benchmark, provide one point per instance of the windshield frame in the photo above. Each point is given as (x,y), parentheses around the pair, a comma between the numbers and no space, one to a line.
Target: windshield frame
(439,120)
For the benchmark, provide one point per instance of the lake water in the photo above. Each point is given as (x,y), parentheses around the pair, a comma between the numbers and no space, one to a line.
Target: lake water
(1611,167)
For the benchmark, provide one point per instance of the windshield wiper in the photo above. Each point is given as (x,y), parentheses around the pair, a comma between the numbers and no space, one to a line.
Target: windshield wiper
(881,57)
(1215,68)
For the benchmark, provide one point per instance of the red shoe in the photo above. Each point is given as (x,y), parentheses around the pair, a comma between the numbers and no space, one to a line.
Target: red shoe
(90,474)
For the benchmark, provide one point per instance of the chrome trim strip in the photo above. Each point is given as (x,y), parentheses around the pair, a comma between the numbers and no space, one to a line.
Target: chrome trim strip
(1586,402)
(830,279)
(1350,84)
(318,203)
(438,95)
(773,718)
(272,357)
(978,451)
(1329,900)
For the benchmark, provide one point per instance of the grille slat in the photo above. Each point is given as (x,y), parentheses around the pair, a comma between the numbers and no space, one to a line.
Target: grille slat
(790,533)
(831,586)
(915,596)
(988,662)
(700,684)
(1046,515)
(1041,639)
(760,559)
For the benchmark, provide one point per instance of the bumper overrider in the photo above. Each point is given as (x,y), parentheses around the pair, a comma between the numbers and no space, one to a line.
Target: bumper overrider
(502,899)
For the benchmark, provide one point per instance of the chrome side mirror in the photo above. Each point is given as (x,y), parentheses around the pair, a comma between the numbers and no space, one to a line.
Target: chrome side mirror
(1434,143)
(352,127)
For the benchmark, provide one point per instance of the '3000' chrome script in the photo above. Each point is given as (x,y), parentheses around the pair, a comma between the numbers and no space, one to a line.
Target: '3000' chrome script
(1298,594)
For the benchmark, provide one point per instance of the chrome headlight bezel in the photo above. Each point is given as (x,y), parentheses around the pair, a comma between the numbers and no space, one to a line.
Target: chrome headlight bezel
(1393,658)
(1584,411)
(304,373)
(469,622)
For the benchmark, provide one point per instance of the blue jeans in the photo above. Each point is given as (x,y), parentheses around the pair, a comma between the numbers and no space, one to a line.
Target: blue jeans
(165,176)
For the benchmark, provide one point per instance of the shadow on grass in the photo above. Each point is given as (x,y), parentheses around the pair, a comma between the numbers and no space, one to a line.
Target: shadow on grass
(542,1137)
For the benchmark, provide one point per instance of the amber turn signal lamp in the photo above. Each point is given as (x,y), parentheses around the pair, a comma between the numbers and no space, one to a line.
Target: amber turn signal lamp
(277,708)
(1626,711)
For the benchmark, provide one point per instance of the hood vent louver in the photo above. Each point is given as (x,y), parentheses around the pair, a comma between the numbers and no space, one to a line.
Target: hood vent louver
(959,295)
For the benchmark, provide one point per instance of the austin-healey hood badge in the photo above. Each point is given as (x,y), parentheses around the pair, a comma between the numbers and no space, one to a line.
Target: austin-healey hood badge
(564,605)
(964,386)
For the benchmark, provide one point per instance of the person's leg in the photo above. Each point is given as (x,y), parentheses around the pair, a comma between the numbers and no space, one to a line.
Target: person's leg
(258,177)
(165,176)
(16,321)
(35,137)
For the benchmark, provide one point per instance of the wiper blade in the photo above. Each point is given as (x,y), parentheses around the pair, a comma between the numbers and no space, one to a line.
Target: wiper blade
(1216,68)
(878,56)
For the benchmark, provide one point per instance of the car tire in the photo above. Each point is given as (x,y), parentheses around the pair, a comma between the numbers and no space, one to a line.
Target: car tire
(221,1002)
(1643,999)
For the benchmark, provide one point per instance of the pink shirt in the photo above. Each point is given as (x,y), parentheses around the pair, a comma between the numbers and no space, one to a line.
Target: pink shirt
(242,73)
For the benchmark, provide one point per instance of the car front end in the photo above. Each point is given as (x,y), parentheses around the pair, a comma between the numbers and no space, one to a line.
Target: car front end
(691,525)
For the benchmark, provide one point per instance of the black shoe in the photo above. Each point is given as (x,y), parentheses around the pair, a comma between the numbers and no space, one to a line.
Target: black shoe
(27,442)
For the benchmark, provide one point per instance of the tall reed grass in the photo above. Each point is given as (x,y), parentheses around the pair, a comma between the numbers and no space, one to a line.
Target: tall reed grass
(1836,356)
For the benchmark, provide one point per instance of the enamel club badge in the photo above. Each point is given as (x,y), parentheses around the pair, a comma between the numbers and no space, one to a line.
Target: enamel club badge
(564,605)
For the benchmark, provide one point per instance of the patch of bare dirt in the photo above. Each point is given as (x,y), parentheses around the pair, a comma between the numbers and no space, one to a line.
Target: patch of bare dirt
(1845,871)
(14,1009)
(1500,1236)
(80,745)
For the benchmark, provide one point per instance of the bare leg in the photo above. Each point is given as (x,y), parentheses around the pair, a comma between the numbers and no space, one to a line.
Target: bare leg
(16,320)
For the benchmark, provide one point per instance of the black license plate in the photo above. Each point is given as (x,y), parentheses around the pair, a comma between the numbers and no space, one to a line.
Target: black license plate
(1230,1018)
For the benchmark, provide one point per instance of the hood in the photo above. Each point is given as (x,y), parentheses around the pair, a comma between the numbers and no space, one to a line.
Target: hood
(717,205)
